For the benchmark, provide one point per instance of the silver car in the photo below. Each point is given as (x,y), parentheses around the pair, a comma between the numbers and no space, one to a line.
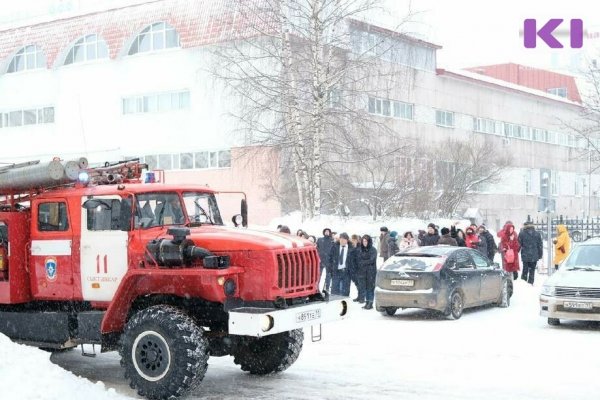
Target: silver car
(442,278)
(574,291)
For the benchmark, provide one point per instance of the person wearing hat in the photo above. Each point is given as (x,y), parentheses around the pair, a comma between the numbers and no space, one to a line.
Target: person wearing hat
(324,245)
(432,237)
(383,243)
(491,245)
(393,244)
(341,261)
(366,261)
(532,250)
(446,238)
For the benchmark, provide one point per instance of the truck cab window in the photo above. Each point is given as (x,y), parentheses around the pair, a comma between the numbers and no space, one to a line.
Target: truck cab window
(53,217)
(106,217)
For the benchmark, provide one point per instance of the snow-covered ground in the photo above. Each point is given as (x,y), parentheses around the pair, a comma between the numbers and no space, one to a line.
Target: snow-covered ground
(490,353)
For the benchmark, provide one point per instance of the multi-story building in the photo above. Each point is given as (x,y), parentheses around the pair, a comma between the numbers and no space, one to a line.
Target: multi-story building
(133,81)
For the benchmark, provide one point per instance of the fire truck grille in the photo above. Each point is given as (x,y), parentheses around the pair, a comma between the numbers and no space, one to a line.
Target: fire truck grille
(298,270)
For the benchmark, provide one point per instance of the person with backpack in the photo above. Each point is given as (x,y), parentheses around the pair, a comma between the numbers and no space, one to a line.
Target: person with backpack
(509,249)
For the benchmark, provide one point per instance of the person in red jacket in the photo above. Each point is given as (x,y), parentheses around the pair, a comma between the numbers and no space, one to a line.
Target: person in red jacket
(509,248)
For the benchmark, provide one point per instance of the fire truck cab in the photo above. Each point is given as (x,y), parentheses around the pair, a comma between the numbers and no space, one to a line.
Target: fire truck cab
(151,271)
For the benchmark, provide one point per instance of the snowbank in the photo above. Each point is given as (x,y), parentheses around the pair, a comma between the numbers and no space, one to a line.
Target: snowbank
(358,225)
(27,373)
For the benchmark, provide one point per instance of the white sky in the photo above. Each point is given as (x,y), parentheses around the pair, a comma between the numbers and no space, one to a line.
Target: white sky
(471,32)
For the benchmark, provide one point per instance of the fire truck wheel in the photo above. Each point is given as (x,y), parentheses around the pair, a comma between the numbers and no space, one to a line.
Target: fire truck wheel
(164,353)
(269,354)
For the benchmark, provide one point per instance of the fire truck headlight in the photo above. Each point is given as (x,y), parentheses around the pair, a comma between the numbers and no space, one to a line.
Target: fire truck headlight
(267,323)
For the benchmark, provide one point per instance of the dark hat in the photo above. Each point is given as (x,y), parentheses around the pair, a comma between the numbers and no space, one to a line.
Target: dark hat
(326,229)
(383,229)
(393,234)
(445,231)
(431,225)
(344,235)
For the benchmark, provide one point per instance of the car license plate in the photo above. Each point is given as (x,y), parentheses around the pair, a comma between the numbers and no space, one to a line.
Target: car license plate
(577,305)
(402,282)
(308,316)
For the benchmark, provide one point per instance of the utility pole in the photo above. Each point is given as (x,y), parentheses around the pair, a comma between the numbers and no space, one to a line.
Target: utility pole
(549,236)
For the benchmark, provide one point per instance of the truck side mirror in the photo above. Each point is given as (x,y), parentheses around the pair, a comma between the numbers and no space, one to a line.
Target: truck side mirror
(244,213)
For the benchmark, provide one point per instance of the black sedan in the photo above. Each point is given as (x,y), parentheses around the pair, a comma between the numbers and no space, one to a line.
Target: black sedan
(442,278)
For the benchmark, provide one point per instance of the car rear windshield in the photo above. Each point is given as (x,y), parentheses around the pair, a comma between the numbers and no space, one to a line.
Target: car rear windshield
(586,256)
(424,263)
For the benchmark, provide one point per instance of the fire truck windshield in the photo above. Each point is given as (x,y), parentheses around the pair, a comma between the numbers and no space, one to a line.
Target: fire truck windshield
(202,208)
(158,209)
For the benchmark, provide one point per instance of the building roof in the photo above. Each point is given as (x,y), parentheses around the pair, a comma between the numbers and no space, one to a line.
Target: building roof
(370,27)
(531,77)
(500,84)
(197,22)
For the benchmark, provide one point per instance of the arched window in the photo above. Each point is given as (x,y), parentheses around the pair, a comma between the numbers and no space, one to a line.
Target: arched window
(157,36)
(91,47)
(29,57)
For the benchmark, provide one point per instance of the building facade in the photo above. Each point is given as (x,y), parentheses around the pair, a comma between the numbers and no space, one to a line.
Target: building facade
(134,81)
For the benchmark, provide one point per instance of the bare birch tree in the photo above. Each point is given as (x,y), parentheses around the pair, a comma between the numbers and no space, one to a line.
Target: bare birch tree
(301,75)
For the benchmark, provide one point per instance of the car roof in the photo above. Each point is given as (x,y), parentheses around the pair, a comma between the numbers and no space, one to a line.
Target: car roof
(439,250)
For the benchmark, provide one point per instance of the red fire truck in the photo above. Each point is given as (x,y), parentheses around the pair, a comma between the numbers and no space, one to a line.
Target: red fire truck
(95,256)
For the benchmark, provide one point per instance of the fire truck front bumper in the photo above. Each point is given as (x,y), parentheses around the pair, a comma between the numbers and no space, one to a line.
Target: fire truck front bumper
(258,322)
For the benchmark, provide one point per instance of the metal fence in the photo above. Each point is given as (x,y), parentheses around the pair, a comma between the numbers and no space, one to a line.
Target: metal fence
(580,229)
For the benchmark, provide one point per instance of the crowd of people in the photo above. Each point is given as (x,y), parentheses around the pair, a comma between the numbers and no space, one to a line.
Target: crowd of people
(351,259)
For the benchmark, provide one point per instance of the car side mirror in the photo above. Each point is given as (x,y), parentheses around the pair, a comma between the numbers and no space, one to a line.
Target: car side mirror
(244,213)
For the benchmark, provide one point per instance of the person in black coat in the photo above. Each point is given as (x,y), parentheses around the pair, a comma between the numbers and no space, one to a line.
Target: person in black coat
(532,250)
(366,266)
(492,247)
(354,247)
(324,246)
(341,259)
(458,235)
(432,237)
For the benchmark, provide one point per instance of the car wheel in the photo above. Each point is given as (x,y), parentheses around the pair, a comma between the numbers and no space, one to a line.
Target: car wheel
(504,296)
(456,306)
(391,311)
(553,321)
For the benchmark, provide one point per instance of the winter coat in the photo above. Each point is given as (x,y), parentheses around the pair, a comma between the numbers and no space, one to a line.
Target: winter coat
(475,242)
(392,247)
(562,245)
(460,242)
(324,246)
(509,240)
(532,248)
(448,240)
(407,244)
(430,240)
(492,248)
(366,257)
(383,245)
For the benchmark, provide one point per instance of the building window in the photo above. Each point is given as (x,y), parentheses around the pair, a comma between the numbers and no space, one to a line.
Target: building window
(444,118)
(561,91)
(29,57)
(484,125)
(528,182)
(390,108)
(554,183)
(33,116)
(334,99)
(158,36)
(88,48)
(199,160)
(160,102)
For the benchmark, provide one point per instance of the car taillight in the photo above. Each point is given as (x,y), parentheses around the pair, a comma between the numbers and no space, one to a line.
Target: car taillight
(439,265)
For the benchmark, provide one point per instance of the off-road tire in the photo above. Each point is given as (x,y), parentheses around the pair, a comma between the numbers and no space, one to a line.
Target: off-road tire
(269,354)
(164,353)
(456,305)
(391,311)
(553,321)
(504,300)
